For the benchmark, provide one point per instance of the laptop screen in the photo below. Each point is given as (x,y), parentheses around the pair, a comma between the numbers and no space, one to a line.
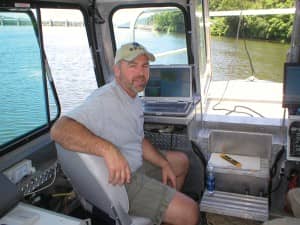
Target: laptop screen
(291,84)
(169,81)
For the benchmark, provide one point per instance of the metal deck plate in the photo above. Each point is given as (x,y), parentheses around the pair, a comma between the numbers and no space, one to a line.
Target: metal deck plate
(238,205)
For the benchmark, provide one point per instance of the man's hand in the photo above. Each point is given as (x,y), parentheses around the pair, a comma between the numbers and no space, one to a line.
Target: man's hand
(156,158)
(118,167)
(168,176)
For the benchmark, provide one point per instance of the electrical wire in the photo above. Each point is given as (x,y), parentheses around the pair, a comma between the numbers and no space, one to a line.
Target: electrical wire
(273,172)
(64,194)
(278,185)
(234,111)
(221,99)
(227,83)
(245,107)
(283,135)
(248,54)
(279,154)
(249,58)
(229,111)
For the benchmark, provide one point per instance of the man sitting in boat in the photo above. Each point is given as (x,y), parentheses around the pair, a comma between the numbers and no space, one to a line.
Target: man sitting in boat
(109,124)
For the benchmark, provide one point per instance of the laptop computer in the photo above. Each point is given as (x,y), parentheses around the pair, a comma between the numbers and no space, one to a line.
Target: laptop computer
(169,91)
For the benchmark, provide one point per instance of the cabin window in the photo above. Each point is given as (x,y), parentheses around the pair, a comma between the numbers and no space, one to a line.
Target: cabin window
(247,66)
(25,92)
(160,29)
(68,54)
(247,77)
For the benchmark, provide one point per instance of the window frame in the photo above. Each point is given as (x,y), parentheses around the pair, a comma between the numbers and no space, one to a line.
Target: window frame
(47,82)
(187,23)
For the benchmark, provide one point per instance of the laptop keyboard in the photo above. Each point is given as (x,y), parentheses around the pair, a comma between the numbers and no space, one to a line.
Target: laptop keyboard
(166,106)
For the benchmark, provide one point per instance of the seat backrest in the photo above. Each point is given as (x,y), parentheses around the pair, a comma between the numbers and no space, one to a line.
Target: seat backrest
(89,177)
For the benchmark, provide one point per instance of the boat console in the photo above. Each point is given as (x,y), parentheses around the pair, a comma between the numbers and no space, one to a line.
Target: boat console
(293,138)
(291,101)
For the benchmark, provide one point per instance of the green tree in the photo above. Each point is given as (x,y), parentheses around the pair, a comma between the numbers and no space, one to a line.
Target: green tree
(219,28)
(218,5)
(171,21)
(277,28)
(267,4)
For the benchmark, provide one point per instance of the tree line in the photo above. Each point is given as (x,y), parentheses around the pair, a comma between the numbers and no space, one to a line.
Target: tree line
(168,21)
(269,27)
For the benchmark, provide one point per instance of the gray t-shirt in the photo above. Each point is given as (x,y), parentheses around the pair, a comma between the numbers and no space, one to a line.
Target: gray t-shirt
(109,112)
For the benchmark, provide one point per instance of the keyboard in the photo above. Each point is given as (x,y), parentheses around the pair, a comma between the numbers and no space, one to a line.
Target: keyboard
(166,107)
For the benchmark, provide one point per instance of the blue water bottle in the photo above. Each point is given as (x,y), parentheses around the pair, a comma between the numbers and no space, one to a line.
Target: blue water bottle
(210,179)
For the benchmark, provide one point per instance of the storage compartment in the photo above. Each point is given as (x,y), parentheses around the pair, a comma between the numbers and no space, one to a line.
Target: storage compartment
(236,184)
(249,146)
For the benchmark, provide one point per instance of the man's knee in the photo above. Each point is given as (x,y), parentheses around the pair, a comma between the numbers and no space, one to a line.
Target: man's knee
(185,161)
(191,213)
(195,213)
(182,210)
(179,161)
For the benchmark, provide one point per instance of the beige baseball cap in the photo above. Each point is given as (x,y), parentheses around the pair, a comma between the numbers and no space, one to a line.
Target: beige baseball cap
(130,51)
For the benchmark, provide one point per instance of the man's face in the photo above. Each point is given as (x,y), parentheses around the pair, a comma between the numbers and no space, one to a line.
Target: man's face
(133,76)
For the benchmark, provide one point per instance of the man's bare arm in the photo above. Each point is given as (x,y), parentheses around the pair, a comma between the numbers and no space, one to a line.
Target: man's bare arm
(155,157)
(74,136)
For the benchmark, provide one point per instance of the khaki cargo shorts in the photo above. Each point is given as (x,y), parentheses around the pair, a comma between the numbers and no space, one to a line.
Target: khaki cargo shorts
(148,196)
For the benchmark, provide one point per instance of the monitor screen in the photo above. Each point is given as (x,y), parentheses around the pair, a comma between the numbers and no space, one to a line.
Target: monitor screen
(169,81)
(291,85)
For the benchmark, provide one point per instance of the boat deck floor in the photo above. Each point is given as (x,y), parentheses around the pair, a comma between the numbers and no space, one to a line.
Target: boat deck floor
(245,98)
(215,219)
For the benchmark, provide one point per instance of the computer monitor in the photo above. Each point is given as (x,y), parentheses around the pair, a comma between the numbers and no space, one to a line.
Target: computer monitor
(169,81)
(291,86)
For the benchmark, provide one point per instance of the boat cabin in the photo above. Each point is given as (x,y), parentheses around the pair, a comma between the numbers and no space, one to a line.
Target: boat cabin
(54,53)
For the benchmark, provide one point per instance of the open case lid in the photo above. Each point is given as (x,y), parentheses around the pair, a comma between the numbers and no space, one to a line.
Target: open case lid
(9,195)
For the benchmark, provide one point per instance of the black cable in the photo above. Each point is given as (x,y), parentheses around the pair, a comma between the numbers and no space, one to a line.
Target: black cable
(245,107)
(273,169)
(221,99)
(241,19)
(235,111)
(225,89)
(200,155)
(273,172)
(278,185)
(247,52)
(249,57)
